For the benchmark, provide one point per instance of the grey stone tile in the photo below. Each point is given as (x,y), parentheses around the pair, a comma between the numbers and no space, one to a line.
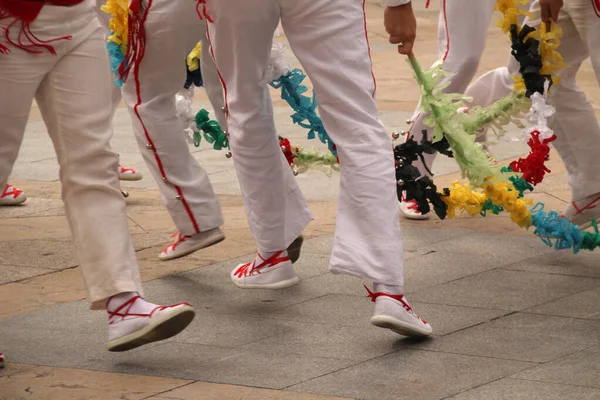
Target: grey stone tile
(505,290)
(231,330)
(310,265)
(411,374)
(580,305)
(515,389)
(581,369)
(328,340)
(143,241)
(506,249)
(329,283)
(562,263)
(437,267)
(11,273)
(356,312)
(68,317)
(52,254)
(320,245)
(425,240)
(177,360)
(210,289)
(271,370)
(524,337)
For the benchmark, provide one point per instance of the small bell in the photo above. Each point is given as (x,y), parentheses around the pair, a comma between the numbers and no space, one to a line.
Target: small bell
(400,182)
(395,135)
(225,110)
(295,172)
(226,133)
(178,197)
(408,121)
(228,154)
(149,146)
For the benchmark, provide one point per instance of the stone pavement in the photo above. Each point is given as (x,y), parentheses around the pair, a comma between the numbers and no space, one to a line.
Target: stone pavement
(513,319)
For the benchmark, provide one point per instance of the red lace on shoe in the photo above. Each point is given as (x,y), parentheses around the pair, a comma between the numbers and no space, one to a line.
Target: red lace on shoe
(123,310)
(124,170)
(588,207)
(412,205)
(14,192)
(252,268)
(397,297)
(180,239)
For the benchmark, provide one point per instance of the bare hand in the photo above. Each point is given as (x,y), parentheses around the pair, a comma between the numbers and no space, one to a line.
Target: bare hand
(401,25)
(550,9)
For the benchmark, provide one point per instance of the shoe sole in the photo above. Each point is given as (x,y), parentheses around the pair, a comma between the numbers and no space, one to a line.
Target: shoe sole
(415,217)
(131,178)
(271,286)
(163,329)
(15,202)
(202,245)
(295,248)
(401,328)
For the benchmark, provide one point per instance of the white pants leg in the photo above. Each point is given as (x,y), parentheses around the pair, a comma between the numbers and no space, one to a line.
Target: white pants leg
(172,30)
(276,209)
(104,19)
(575,124)
(367,241)
(76,111)
(462,32)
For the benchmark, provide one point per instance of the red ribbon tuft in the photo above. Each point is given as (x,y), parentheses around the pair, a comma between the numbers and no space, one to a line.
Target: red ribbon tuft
(532,167)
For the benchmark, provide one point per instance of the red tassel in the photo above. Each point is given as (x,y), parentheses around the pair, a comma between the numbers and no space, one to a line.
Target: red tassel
(427,4)
(203,13)
(532,167)
(136,38)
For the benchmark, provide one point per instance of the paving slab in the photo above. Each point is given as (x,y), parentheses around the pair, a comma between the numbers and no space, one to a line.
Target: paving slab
(515,389)
(523,337)
(584,304)
(72,384)
(562,263)
(580,369)
(14,273)
(215,391)
(49,254)
(411,374)
(505,290)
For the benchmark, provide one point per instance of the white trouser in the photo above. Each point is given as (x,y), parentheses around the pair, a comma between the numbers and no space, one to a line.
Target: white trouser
(172,30)
(462,31)
(76,110)
(329,39)
(575,124)
(212,84)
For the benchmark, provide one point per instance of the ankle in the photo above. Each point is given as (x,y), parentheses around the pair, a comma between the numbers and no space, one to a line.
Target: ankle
(388,289)
(264,256)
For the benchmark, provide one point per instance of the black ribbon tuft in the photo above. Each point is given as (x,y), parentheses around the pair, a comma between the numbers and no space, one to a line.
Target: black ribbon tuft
(193,78)
(527,52)
(419,188)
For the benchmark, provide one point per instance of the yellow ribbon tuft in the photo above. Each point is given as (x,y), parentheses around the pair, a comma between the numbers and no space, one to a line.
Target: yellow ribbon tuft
(463,199)
(193,59)
(118,25)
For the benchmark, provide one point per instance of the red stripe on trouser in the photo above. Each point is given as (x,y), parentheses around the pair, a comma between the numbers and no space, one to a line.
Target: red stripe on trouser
(447,33)
(223,84)
(596,4)
(136,74)
(369,48)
